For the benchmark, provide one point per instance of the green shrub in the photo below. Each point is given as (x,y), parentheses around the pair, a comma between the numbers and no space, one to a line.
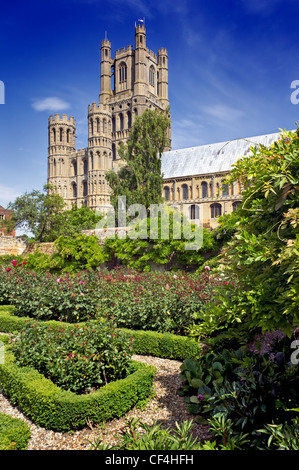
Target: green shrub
(251,387)
(52,408)
(76,358)
(14,433)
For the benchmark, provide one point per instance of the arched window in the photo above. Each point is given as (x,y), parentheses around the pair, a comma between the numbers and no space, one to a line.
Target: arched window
(91,161)
(121,122)
(129,116)
(61,134)
(113,124)
(113,152)
(204,189)
(54,167)
(85,189)
(91,126)
(194,212)
(236,204)
(74,166)
(74,190)
(224,189)
(98,125)
(54,135)
(185,191)
(122,72)
(216,210)
(104,125)
(68,136)
(85,167)
(152,76)
(166,193)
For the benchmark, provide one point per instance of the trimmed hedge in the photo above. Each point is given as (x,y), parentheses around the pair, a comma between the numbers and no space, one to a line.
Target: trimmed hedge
(52,408)
(165,345)
(14,433)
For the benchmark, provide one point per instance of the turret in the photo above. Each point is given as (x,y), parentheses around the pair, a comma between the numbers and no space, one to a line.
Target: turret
(163,77)
(105,71)
(62,137)
(140,84)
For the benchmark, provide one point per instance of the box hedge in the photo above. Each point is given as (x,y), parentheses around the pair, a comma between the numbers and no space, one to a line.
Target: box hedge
(14,433)
(52,408)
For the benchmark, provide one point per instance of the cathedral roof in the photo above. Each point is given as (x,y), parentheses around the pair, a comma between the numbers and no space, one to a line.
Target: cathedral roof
(211,158)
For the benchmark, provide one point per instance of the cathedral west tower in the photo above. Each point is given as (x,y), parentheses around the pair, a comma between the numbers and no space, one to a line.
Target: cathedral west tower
(134,80)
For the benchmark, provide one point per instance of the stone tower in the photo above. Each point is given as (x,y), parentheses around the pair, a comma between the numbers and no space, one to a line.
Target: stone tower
(134,80)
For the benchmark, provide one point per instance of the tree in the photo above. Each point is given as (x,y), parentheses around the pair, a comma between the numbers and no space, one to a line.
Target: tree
(70,223)
(41,213)
(139,179)
(35,212)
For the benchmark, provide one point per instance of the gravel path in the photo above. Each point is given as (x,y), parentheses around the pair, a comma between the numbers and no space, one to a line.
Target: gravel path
(166,407)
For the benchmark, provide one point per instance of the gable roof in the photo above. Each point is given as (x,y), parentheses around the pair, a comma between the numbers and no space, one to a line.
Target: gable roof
(211,158)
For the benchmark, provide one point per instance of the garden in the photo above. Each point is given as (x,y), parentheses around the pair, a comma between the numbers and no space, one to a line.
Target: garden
(72,325)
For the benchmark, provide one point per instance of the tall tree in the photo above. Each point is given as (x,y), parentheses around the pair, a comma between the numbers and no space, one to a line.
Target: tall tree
(139,179)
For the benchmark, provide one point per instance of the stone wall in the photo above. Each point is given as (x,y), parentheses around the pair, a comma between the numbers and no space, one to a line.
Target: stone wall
(103,233)
(10,245)
(46,248)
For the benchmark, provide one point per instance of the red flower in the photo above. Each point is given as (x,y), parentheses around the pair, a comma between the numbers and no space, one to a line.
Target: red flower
(8,269)
(24,262)
(14,262)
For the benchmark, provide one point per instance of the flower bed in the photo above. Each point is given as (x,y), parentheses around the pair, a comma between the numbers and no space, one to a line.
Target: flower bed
(163,302)
(164,345)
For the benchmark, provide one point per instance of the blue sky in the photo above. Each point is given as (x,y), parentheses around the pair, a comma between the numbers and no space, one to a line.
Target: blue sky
(231,65)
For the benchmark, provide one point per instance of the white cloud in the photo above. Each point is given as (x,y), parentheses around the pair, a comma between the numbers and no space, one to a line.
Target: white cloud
(8,194)
(52,103)
(223,112)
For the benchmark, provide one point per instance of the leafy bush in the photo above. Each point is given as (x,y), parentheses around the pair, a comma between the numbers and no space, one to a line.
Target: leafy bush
(261,259)
(75,358)
(14,433)
(251,387)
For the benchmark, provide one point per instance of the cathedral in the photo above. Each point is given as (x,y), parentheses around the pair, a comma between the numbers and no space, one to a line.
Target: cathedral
(194,178)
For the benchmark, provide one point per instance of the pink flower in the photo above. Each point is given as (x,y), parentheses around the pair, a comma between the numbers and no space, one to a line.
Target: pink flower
(14,262)
(8,269)
(175,276)
(167,287)
(58,279)
(81,282)
(81,293)
(226,283)
(207,268)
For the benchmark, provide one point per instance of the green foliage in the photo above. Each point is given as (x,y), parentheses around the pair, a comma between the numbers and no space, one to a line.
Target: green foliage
(165,239)
(76,358)
(261,259)
(250,387)
(14,433)
(152,437)
(282,436)
(140,180)
(69,223)
(73,254)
